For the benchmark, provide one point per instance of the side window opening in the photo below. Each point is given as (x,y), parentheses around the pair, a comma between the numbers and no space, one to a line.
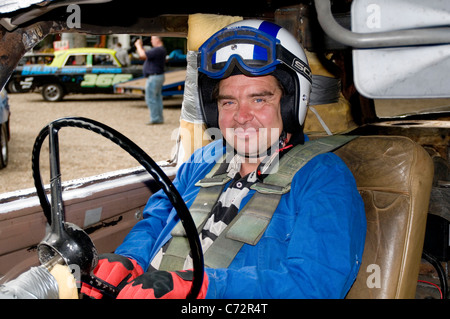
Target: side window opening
(76,60)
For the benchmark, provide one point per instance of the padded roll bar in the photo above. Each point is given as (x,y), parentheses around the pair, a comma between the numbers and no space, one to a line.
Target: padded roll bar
(412,37)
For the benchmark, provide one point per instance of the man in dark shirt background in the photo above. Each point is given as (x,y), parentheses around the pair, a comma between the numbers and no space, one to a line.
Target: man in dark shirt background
(154,72)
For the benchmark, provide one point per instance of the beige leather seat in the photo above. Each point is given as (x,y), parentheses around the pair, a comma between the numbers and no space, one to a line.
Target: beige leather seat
(394,177)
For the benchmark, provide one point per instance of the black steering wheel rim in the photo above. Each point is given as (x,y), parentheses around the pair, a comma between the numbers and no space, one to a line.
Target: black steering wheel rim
(147,162)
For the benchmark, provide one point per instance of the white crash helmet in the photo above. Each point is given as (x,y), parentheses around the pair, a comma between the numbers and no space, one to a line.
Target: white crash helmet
(256,48)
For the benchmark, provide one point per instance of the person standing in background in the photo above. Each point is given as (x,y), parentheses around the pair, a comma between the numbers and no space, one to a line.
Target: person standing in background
(122,55)
(154,72)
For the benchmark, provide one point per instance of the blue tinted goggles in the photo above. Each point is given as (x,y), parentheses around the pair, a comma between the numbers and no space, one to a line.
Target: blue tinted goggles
(254,52)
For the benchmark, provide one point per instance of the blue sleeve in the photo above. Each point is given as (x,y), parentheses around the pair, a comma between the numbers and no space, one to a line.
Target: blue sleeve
(313,245)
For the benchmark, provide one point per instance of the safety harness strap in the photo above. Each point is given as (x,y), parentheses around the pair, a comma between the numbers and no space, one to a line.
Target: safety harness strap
(178,249)
(246,228)
(249,225)
(292,161)
(211,186)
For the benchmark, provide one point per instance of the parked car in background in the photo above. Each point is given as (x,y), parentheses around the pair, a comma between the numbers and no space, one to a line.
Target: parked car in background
(80,70)
(4,128)
(29,58)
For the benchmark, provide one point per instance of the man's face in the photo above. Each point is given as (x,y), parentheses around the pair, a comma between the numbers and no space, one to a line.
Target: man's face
(249,112)
(154,40)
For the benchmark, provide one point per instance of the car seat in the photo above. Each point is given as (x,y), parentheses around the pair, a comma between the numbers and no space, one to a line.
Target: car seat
(394,177)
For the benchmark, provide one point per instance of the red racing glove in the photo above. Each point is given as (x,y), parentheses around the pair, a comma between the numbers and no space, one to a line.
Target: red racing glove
(114,269)
(162,285)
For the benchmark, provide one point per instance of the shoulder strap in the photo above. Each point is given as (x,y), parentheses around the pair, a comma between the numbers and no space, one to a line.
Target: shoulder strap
(211,186)
(280,181)
(246,228)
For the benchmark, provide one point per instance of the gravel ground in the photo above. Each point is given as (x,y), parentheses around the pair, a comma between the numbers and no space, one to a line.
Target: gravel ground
(83,153)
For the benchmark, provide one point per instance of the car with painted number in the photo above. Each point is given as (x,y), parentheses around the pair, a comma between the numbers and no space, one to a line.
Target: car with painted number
(79,70)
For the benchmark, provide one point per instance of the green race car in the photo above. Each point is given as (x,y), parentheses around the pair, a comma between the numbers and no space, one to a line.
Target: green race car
(79,70)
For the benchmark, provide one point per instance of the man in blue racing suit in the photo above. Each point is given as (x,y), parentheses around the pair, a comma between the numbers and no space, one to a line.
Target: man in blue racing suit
(254,84)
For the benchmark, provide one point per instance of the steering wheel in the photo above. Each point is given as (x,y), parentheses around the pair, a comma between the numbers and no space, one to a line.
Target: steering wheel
(55,212)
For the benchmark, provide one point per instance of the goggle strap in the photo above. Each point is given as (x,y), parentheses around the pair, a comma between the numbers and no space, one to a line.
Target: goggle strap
(294,63)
